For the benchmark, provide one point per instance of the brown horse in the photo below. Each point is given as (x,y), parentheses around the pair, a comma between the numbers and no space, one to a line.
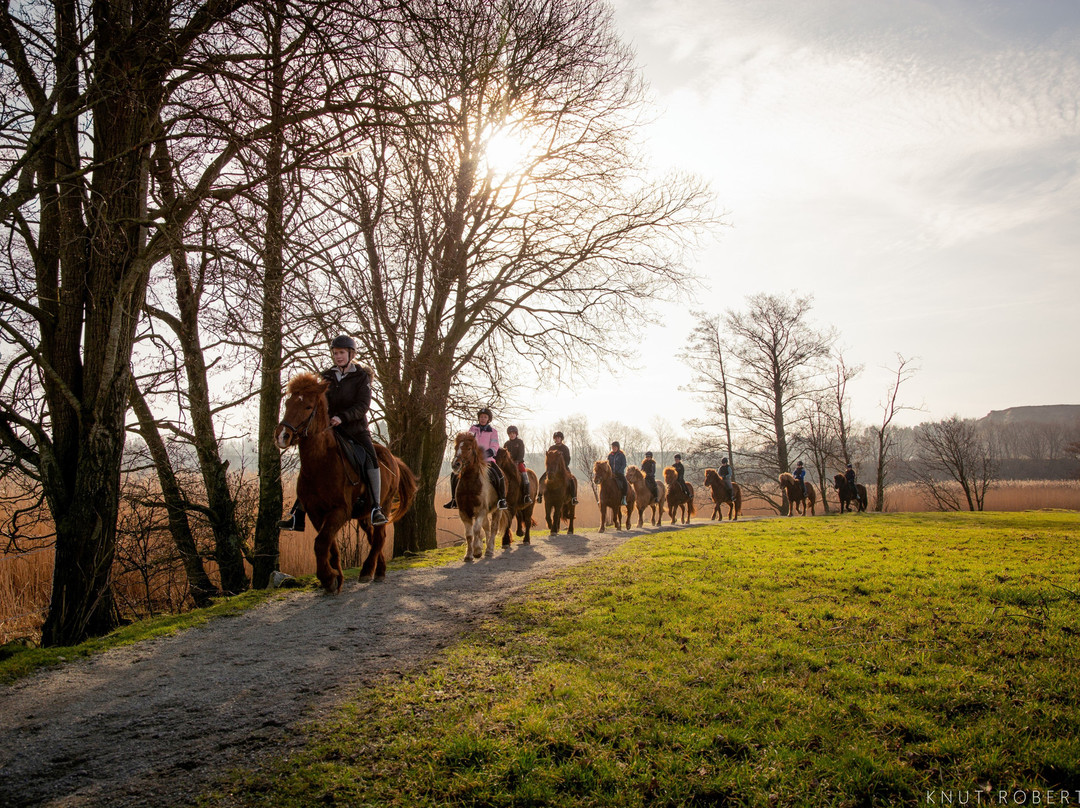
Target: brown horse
(515,493)
(847,495)
(558,493)
(327,486)
(643,497)
(721,495)
(477,499)
(609,496)
(677,500)
(795,498)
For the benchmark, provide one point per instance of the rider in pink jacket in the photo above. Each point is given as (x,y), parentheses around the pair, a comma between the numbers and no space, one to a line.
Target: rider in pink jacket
(487,437)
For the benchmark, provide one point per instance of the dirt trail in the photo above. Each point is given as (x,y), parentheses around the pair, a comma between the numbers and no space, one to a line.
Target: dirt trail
(155,723)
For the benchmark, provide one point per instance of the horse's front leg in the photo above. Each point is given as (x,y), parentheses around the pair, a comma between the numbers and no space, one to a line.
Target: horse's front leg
(374,566)
(327,557)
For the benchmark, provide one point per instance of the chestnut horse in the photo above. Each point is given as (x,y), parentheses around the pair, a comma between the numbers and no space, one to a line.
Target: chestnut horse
(721,495)
(558,493)
(847,495)
(327,485)
(643,497)
(609,496)
(477,499)
(796,501)
(514,496)
(677,501)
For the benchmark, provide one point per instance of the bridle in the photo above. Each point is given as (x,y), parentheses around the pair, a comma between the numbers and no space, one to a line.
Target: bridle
(301,431)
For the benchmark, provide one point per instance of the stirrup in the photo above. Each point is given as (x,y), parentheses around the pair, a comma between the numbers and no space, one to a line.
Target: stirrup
(526,500)
(539,497)
(377,516)
(294,522)
(451,504)
(502,505)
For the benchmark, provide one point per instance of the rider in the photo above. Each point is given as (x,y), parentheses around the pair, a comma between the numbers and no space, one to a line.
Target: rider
(348,399)
(515,447)
(679,472)
(564,450)
(849,475)
(648,468)
(617,461)
(727,476)
(487,438)
(800,475)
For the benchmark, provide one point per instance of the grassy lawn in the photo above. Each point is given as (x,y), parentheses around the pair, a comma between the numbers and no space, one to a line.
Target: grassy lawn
(858,660)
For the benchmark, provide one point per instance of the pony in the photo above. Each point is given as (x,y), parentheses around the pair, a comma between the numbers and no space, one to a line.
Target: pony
(847,495)
(609,496)
(514,496)
(790,487)
(677,501)
(643,497)
(558,494)
(477,499)
(327,485)
(721,495)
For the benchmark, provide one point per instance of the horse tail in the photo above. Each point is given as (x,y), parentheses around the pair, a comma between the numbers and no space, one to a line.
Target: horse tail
(406,489)
(693,510)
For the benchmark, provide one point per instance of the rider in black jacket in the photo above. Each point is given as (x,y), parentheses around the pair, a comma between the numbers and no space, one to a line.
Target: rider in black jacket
(349,398)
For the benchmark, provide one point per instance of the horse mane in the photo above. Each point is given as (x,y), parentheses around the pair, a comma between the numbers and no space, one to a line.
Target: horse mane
(787,479)
(711,477)
(839,480)
(633,474)
(602,469)
(471,454)
(307,383)
(670,475)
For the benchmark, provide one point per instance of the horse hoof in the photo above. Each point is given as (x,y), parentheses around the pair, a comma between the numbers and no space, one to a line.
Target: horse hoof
(526,540)
(506,543)
(468,559)
(489,554)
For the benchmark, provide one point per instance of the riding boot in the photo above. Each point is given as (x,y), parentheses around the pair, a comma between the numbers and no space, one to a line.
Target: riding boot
(573,490)
(500,488)
(453,492)
(540,496)
(296,520)
(375,491)
(525,498)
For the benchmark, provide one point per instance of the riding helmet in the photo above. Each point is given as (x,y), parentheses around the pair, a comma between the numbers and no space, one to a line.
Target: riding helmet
(558,435)
(343,342)
(511,430)
(484,411)
(648,454)
(678,457)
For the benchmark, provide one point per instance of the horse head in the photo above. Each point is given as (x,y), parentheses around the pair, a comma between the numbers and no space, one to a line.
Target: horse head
(634,475)
(555,463)
(466,452)
(711,477)
(305,409)
(670,476)
(839,481)
(786,480)
(601,470)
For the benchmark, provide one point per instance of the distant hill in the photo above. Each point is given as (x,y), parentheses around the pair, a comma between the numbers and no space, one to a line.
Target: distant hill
(1045,414)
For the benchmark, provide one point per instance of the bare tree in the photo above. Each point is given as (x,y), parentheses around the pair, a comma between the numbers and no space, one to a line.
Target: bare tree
(955,464)
(705,354)
(882,434)
(820,439)
(456,262)
(775,365)
(666,435)
(844,374)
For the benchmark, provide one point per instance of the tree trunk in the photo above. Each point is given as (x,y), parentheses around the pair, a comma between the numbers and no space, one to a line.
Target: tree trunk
(421,444)
(267,535)
(200,586)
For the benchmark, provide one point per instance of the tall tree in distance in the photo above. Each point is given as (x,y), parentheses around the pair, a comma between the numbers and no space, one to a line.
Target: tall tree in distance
(955,465)
(505,220)
(882,433)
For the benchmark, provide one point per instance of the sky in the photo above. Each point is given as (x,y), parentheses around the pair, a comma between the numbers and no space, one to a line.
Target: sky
(913,166)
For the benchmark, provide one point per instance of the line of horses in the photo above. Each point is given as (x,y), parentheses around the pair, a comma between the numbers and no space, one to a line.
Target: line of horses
(328,489)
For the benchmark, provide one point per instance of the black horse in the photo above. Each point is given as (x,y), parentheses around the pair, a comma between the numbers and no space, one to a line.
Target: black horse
(849,494)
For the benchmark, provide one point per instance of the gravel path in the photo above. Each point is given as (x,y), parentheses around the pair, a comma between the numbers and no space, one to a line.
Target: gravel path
(155,723)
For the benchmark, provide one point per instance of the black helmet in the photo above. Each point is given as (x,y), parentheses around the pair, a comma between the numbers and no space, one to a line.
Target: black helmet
(799,463)
(615,444)
(343,342)
(559,435)
(648,454)
(849,465)
(484,411)
(723,461)
(678,457)
(511,430)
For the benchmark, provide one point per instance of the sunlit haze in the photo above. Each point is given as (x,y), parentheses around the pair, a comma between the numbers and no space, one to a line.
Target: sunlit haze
(912,165)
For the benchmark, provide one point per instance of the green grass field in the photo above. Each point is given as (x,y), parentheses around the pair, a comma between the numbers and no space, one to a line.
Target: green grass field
(878,660)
